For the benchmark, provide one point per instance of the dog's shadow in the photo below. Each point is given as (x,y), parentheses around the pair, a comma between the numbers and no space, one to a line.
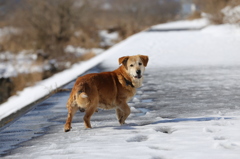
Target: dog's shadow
(126,126)
(129,126)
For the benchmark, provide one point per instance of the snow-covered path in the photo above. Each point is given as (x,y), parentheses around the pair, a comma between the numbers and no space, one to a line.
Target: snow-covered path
(176,114)
(188,106)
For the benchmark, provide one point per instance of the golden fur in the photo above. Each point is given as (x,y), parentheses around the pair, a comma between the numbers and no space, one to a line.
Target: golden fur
(107,90)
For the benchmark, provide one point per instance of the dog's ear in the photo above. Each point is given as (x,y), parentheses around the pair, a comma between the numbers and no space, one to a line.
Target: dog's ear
(144,59)
(123,60)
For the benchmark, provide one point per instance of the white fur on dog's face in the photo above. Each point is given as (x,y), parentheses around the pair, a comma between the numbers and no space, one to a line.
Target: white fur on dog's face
(135,65)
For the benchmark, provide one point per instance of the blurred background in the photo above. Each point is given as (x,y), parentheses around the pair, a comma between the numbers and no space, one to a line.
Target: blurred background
(39,38)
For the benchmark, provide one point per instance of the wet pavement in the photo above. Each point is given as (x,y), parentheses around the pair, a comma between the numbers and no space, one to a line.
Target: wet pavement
(180,94)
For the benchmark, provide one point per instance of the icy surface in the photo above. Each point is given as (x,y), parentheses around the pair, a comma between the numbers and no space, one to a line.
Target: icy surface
(185,68)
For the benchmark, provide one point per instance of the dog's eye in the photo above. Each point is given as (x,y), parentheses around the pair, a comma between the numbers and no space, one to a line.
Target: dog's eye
(140,63)
(131,65)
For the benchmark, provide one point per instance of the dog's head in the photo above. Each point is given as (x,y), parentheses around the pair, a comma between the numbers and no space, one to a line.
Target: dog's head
(135,66)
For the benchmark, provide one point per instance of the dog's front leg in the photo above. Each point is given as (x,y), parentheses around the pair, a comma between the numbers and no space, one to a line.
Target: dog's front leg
(71,112)
(122,113)
(119,114)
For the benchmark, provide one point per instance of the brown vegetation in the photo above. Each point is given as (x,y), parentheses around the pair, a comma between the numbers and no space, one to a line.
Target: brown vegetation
(51,25)
(195,15)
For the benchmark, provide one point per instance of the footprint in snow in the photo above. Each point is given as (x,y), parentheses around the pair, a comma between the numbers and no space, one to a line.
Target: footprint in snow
(227,145)
(211,130)
(137,138)
(159,148)
(157,157)
(165,129)
(219,138)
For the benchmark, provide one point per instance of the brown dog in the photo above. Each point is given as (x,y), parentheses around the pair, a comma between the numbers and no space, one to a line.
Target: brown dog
(107,90)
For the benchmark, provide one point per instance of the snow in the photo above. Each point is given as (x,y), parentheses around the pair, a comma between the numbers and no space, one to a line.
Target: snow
(176,138)
(106,6)
(194,24)
(225,30)
(108,39)
(213,45)
(23,62)
(187,140)
(8,30)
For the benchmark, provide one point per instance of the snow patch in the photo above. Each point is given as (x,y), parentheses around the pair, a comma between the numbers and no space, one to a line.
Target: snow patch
(78,51)
(108,39)
(231,14)
(8,30)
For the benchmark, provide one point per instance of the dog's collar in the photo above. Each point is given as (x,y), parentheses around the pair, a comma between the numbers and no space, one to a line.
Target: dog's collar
(128,83)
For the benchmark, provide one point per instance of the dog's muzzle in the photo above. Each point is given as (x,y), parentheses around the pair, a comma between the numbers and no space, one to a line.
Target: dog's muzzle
(138,74)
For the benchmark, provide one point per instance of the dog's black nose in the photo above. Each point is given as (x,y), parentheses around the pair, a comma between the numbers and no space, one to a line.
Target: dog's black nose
(138,72)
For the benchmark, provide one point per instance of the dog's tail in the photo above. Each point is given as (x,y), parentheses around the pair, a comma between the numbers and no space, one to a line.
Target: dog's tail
(82,94)
(82,99)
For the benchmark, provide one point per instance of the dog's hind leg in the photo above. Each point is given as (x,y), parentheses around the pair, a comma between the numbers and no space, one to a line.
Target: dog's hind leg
(89,112)
(71,111)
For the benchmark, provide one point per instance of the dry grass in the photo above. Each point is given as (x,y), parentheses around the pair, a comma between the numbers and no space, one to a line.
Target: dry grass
(10,86)
(5,89)
(85,38)
(57,90)
(194,15)
(16,43)
(25,80)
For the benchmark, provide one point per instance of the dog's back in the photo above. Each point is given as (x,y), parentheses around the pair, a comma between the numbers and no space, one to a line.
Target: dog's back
(96,87)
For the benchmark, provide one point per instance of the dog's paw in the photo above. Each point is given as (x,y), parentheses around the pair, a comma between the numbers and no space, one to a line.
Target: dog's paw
(121,122)
(67,128)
